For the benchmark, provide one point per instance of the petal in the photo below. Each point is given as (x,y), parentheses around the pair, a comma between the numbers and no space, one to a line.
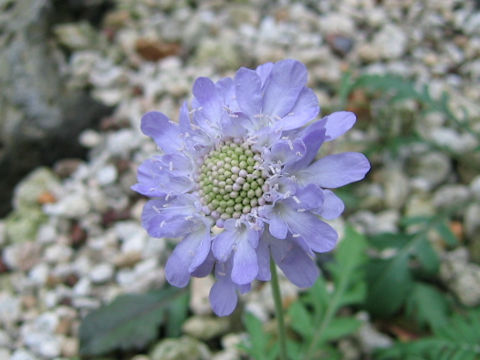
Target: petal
(338,123)
(287,151)
(313,137)
(277,226)
(297,266)
(203,248)
(184,118)
(223,297)
(263,258)
(305,109)
(189,251)
(283,86)
(310,198)
(169,219)
(320,236)
(264,71)
(209,106)
(332,206)
(245,266)
(248,91)
(206,267)
(165,133)
(333,171)
(226,90)
(223,245)
(155,179)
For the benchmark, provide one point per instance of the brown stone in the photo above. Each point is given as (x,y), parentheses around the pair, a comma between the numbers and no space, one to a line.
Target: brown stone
(154,49)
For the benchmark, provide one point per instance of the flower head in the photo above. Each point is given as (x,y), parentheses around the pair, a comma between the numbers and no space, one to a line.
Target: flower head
(242,159)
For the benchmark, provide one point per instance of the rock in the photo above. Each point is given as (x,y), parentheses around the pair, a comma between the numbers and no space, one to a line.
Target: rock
(472,220)
(36,107)
(90,138)
(457,142)
(369,337)
(4,353)
(39,335)
(396,187)
(337,23)
(39,274)
(391,41)
(70,347)
(22,225)
(71,205)
(180,349)
(450,195)
(4,339)
(200,288)
(205,328)
(474,188)
(101,273)
(430,169)
(10,309)
(22,256)
(340,44)
(58,253)
(107,175)
(461,277)
(76,36)
(28,191)
(22,354)
(155,49)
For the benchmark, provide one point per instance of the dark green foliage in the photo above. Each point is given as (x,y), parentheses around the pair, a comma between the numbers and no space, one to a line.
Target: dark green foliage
(314,319)
(459,338)
(399,280)
(261,345)
(427,305)
(130,321)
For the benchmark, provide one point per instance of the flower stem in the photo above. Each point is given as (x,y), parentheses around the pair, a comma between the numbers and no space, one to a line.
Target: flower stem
(278,310)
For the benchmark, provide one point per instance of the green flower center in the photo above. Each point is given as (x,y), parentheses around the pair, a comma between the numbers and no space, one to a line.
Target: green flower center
(231,180)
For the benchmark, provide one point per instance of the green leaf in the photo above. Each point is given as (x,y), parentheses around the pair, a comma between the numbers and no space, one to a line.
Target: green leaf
(446,233)
(427,306)
(340,327)
(129,322)
(459,338)
(389,240)
(176,315)
(426,255)
(301,320)
(260,345)
(389,282)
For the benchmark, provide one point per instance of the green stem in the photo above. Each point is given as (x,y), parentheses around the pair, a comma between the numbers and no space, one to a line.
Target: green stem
(278,310)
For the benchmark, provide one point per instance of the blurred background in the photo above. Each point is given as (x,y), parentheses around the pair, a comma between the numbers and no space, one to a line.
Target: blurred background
(75,78)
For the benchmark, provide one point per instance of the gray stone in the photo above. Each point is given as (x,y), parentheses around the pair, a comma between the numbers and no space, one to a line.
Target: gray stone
(369,337)
(22,256)
(22,354)
(101,273)
(430,169)
(475,187)
(28,191)
(180,349)
(451,195)
(10,309)
(396,187)
(36,107)
(461,277)
(206,328)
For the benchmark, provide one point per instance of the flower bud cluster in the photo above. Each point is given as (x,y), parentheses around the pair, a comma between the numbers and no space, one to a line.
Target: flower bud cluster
(231,181)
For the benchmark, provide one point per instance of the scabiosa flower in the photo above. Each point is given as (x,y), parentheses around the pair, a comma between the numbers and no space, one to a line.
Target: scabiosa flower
(243,160)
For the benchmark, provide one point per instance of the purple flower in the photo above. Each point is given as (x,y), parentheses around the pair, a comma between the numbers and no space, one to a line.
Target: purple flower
(243,160)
